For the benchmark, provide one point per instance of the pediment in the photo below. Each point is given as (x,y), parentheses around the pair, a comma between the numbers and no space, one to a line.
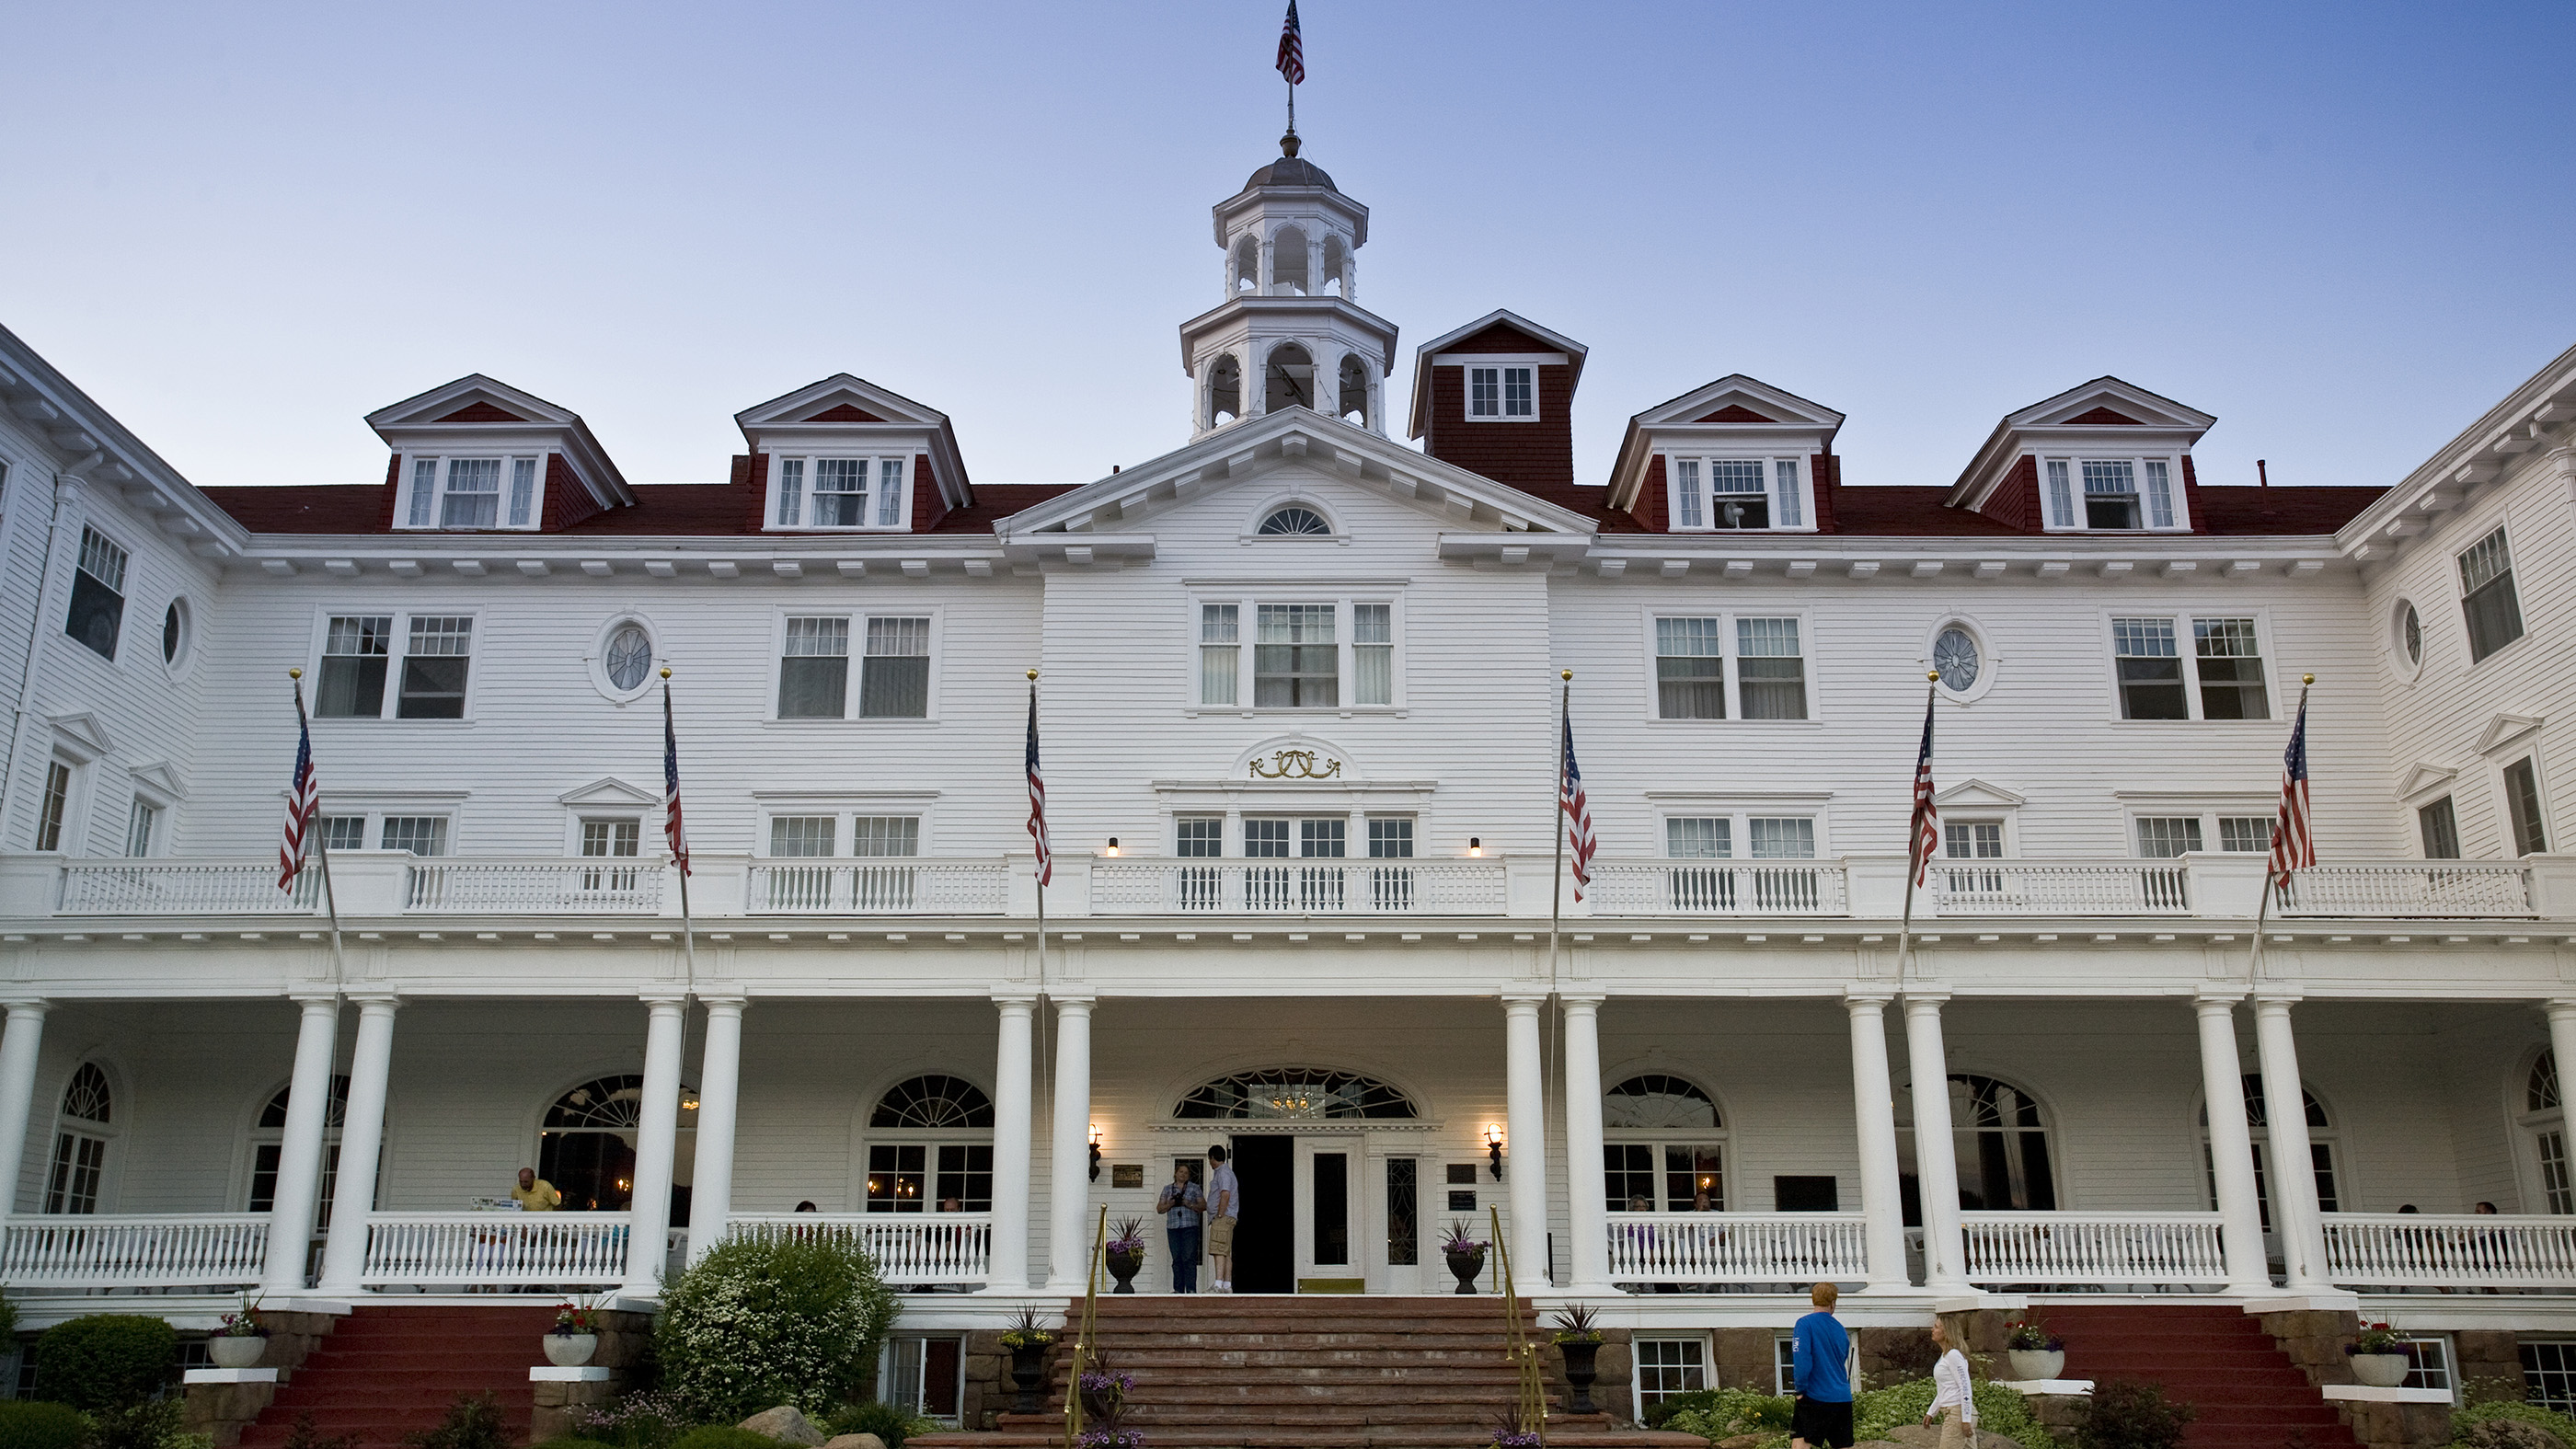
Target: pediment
(1297,757)
(841,398)
(2505,729)
(473,399)
(1743,401)
(83,731)
(1974,794)
(608,792)
(157,776)
(2424,777)
(2110,401)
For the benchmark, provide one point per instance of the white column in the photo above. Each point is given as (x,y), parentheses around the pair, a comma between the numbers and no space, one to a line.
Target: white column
(1874,1113)
(1936,1162)
(2296,1216)
(657,1131)
(1587,1217)
(1525,1141)
(19,1046)
(1011,1109)
(1315,266)
(362,1142)
(2231,1147)
(2562,1047)
(719,1101)
(299,1154)
(1068,1164)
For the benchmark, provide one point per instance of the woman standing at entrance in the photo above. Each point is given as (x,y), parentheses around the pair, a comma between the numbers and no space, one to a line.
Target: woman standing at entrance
(1182,1205)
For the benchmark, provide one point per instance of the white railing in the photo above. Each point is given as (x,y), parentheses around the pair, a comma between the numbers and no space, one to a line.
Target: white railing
(2478,1251)
(2441,889)
(551,1250)
(600,885)
(1736,1247)
(1296,887)
(195,1250)
(909,1248)
(2060,888)
(2162,1249)
(877,887)
(1717,888)
(183,888)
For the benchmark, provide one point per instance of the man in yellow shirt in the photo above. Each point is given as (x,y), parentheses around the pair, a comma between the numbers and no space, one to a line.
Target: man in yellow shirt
(534,1194)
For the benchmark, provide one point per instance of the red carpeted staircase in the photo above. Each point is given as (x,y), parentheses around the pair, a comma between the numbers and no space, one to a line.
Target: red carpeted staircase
(2217,1359)
(387,1372)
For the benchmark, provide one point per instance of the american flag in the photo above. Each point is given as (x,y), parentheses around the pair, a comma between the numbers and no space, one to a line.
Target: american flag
(303,800)
(671,827)
(1927,816)
(1037,797)
(1292,51)
(2294,847)
(1578,813)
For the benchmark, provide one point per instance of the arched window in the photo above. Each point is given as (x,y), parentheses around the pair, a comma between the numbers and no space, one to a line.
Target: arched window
(268,1144)
(1351,391)
(1289,379)
(1663,1147)
(1297,1092)
(1288,271)
(1225,391)
(88,1121)
(1296,518)
(2544,1122)
(1335,255)
(930,1145)
(2257,1123)
(1247,263)
(586,1146)
(1999,1142)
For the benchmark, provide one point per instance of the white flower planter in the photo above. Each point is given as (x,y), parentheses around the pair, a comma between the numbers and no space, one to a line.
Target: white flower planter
(2032,1364)
(236,1351)
(570,1350)
(2380,1370)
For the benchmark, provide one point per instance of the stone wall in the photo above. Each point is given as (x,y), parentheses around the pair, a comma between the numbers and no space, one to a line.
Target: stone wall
(224,1410)
(624,1341)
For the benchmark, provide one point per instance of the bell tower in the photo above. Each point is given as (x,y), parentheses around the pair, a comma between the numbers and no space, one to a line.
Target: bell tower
(1290,331)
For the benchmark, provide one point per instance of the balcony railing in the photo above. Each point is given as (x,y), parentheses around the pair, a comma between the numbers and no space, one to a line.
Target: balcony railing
(909,1248)
(2060,888)
(2449,890)
(183,888)
(498,1249)
(1736,1247)
(2400,1250)
(597,885)
(1718,888)
(877,887)
(1296,887)
(195,1250)
(2108,1249)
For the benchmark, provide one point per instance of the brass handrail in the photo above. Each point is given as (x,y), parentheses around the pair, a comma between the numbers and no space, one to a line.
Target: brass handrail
(1083,1352)
(1531,1412)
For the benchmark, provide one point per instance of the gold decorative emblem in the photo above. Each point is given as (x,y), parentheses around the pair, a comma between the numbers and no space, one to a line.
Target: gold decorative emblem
(1295,765)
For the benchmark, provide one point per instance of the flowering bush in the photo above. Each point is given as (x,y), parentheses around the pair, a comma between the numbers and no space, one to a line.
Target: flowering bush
(577,1317)
(1508,1434)
(2375,1338)
(755,1324)
(2029,1335)
(1104,1406)
(638,1421)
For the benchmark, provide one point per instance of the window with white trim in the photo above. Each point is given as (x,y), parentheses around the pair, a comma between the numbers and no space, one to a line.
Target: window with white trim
(1973,840)
(1668,1368)
(2429,1358)
(1319,654)
(2549,1373)
(1714,494)
(2222,677)
(55,809)
(894,667)
(612,837)
(2438,824)
(845,493)
(925,1374)
(1664,1148)
(358,657)
(2487,597)
(1694,656)
(86,1123)
(1505,392)
(473,493)
(98,594)
(2523,808)
(142,828)
(419,834)
(1765,837)
(818,835)
(2113,494)
(894,675)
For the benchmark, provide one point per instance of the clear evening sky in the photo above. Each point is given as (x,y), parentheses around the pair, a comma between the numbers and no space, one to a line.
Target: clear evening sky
(2344,229)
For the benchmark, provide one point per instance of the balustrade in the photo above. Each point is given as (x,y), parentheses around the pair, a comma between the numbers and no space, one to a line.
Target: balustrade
(198,1250)
(2449,889)
(909,1248)
(597,885)
(877,887)
(1784,1248)
(2484,1250)
(505,1249)
(1297,887)
(184,888)
(2113,1250)
(1717,888)
(2060,888)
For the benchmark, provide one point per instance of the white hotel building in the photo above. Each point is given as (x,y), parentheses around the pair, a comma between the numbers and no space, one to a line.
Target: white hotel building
(1299,689)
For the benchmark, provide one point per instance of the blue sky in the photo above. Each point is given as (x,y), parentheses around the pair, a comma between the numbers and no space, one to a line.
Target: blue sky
(2342,229)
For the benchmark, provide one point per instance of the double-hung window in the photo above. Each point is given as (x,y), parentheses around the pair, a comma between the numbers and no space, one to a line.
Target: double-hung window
(419,834)
(2439,825)
(814,669)
(2111,494)
(142,828)
(1306,655)
(839,492)
(55,809)
(2223,674)
(1295,664)
(1705,886)
(98,594)
(358,654)
(1735,493)
(1691,666)
(472,493)
(1505,392)
(2168,836)
(894,667)
(615,837)
(894,677)
(2523,808)
(2487,596)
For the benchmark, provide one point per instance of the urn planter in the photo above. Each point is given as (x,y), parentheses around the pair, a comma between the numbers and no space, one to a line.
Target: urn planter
(1028,1371)
(2380,1370)
(1582,1368)
(1466,1266)
(235,1351)
(1124,1269)
(570,1350)
(2030,1364)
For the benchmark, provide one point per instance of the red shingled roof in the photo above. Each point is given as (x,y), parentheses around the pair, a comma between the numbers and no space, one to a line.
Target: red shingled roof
(2238,509)
(1897,511)
(313,508)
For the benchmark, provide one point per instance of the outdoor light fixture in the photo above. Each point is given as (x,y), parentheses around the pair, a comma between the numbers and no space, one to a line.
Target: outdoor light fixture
(1475,846)
(1494,1149)
(1095,1127)
(1113,850)
(688,1098)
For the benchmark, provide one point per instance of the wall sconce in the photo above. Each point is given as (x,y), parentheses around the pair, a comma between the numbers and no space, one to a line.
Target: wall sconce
(1095,1127)
(1494,1149)
(688,1098)
(1113,846)
(1475,847)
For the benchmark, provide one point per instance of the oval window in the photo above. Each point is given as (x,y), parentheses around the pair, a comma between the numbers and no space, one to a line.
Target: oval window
(630,655)
(174,632)
(2410,633)
(1954,655)
(1295,519)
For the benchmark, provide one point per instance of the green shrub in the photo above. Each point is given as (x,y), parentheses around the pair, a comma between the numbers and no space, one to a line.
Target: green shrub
(1718,1413)
(153,1424)
(2463,1420)
(472,1422)
(30,1424)
(105,1360)
(890,1423)
(305,1436)
(724,1436)
(649,1420)
(2133,1416)
(755,1324)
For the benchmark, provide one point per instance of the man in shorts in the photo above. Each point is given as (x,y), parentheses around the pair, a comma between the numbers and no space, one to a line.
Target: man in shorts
(1224,1205)
(1822,1416)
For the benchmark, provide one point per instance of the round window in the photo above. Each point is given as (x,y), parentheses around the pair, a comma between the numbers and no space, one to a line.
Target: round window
(2410,633)
(630,656)
(1954,654)
(174,632)
(1295,519)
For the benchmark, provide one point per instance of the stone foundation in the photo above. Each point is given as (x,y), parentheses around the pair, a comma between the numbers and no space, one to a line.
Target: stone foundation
(224,1410)
(624,1339)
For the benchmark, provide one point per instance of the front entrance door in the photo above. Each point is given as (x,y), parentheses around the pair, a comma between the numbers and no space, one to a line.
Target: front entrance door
(1327,1222)
(1265,1255)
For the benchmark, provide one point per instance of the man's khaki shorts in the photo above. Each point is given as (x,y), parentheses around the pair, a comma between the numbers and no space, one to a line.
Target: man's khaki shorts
(1221,1238)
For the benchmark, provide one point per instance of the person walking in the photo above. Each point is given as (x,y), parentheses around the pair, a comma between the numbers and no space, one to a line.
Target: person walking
(1954,1399)
(1182,1206)
(1822,1415)
(1224,1205)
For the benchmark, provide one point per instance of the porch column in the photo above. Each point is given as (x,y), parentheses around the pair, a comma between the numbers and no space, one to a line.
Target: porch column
(1874,1106)
(657,1132)
(1525,1144)
(362,1142)
(2231,1147)
(1936,1162)
(1068,1183)
(1011,1107)
(1587,1217)
(18,1050)
(719,1097)
(299,1153)
(2295,1213)
(2562,1048)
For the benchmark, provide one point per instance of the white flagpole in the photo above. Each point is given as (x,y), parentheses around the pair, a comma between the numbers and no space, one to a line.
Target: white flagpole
(2263,908)
(317,836)
(1916,856)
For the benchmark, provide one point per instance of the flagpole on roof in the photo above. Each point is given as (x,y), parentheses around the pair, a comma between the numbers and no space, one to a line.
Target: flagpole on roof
(1918,854)
(2298,838)
(1291,66)
(314,833)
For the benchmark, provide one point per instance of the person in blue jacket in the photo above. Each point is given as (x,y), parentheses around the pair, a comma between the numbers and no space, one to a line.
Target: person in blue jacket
(1820,1359)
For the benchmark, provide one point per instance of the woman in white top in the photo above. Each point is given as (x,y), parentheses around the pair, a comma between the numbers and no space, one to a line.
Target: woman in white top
(1951,1392)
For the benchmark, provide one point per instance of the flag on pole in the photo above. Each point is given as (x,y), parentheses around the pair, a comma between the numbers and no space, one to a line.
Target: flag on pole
(671,827)
(1927,816)
(1292,51)
(1037,797)
(303,801)
(1577,811)
(2294,847)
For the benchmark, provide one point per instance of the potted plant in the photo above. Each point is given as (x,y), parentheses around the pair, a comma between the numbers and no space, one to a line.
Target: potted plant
(1464,1254)
(1028,1343)
(1508,1434)
(1104,1410)
(1580,1341)
(242,1340)
(575,1336)
(2378,1357)
(1126,1254)
(2035,1350)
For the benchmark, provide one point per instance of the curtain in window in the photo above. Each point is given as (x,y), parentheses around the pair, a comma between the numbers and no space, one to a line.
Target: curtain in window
(1373,653)
(1690,670)
(1770,674)
(814,672)
(473,493)
(1295,663)
(894,680)
(434,666)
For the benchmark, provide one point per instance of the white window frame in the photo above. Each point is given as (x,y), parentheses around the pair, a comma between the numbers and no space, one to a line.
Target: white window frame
(424,496)
(774,518)
(1740,817)
(886,1370)
(1637,1402)
(1247,628)
(1686,499)
(2211,833)
(2064,513)
(850,688)
(845,811)
(396,653)
(2499,772)
(2187,648)
(1502,368)
(1729,647)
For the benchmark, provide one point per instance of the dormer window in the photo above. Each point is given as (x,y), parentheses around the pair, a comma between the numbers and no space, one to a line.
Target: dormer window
(2130,494)
(1717,493)
(1296,519)
(839,492)
(1502,394)
(472,493)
